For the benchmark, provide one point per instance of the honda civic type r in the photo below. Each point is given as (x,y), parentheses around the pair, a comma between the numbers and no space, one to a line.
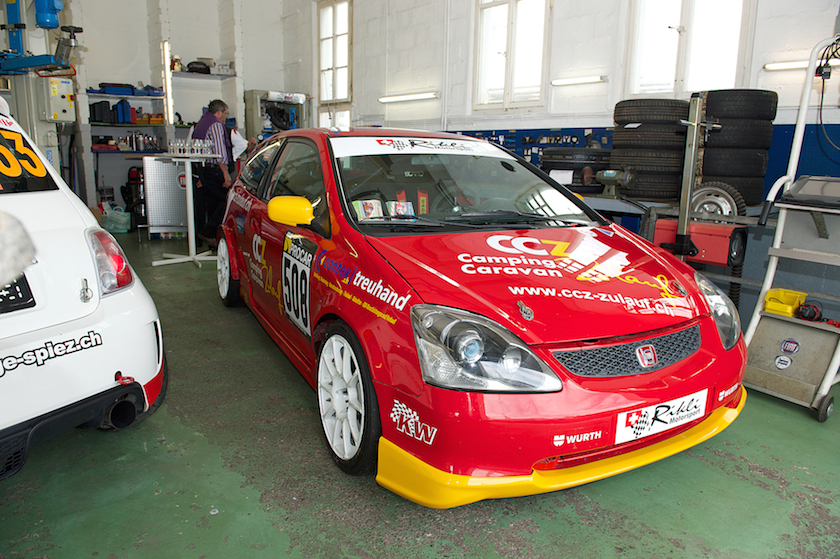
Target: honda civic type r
(472,329)
(80,339)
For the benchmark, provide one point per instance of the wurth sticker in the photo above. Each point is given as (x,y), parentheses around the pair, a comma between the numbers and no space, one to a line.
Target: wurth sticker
(643,422)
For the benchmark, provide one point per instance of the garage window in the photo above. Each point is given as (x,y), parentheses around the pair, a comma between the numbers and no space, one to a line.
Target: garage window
(679,47)
(510,52)
(334,57)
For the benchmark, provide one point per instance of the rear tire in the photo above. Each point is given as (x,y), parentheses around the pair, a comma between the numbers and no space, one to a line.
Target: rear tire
(228,287)
(347,402)
(718,198)
(735,162)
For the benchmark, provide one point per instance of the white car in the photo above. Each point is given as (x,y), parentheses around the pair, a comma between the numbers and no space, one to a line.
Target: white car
(80,339)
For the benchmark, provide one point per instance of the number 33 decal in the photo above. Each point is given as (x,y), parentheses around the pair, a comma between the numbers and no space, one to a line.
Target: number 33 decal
(12,164)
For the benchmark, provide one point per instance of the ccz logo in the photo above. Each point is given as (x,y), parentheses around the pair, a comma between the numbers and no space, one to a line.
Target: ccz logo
(526,245)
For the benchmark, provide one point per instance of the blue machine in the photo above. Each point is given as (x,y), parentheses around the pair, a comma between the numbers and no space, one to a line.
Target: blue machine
(15,60)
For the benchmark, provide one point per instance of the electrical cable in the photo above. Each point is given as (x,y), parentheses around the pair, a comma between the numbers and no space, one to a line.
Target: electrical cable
(829,52)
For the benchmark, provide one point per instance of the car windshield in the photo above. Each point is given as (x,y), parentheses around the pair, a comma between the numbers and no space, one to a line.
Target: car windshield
(396,191)
(21,170)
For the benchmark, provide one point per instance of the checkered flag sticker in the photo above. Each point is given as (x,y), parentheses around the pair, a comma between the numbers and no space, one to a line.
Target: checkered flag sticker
(401,409)
(641,425)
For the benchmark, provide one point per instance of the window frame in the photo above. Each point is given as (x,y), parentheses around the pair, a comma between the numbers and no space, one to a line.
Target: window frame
(334,104)
(684,29)
(508,90)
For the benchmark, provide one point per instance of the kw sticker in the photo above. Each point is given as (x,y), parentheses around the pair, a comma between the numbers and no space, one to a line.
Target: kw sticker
(408,422)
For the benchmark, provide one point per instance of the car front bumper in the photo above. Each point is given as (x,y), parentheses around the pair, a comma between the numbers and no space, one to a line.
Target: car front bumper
(410,477)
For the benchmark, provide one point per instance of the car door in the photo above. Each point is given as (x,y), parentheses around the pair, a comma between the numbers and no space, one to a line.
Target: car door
(248,205)
(288,252)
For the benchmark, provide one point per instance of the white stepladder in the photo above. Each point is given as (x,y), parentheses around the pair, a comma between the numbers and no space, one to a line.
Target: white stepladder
(791,358)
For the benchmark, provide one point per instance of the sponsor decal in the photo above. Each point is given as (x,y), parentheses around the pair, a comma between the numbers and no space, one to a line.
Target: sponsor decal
(382,292)
(657,418)
(298,254)
(790,346)
(560,440)
(352,276)
(6,123)
(240,223)
(588,259)
(242,201)
(641,305)
(782,362)
(50,350)
(728,392)
(324,262)
(407,421)
(401,144)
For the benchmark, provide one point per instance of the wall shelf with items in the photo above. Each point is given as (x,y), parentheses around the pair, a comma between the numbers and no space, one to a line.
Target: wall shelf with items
(200,76)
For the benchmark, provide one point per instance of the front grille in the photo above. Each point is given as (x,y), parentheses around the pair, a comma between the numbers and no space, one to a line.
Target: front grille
(12,455)
(620,360)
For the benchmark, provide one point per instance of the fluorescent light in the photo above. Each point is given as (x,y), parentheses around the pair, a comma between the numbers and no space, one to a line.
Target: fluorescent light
(408,97)
(169,108)
(796,65)
(576,81)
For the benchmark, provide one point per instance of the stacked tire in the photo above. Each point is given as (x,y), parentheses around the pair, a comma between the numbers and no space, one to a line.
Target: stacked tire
(737,153)
(583,162)
(649,140)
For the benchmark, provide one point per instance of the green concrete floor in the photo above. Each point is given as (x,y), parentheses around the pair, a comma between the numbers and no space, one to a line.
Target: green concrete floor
(233,465)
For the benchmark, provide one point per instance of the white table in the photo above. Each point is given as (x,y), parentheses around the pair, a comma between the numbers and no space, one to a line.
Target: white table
(194,257)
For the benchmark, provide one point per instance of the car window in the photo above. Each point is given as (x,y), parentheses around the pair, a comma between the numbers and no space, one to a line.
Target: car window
(298,173)
(255,169)
(21,170)
(453,188)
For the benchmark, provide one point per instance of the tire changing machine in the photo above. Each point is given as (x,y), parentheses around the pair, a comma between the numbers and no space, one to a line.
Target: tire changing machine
(791,358)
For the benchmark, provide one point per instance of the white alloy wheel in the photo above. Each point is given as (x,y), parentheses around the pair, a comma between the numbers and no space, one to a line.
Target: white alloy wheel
(341,397)
(223,268)
(228,287)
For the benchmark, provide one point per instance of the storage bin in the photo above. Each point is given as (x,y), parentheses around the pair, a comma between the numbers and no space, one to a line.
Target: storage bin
(783,301)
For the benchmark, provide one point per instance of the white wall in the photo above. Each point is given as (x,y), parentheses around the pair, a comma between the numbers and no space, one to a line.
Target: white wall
(415,45)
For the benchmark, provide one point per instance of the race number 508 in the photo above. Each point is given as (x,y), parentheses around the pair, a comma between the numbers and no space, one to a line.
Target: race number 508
(296,291)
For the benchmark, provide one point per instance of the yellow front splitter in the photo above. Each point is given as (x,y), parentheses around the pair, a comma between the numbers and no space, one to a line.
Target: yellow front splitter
(408,476)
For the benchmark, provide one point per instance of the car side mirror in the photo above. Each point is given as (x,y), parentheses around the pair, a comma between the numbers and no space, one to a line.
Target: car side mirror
(296,211)
(291,210)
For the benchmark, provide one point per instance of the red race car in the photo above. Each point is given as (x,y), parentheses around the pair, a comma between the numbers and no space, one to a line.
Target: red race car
(472,329)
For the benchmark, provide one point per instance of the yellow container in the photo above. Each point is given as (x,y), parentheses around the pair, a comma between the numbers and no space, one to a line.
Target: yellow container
(783,301)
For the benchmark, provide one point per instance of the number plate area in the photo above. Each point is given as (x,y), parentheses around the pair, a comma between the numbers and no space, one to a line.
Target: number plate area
(657,418)
(297,262)
(16,296)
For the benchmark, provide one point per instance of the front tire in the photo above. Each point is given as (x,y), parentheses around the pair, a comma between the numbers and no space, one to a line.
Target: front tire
(228,287)
(347,402)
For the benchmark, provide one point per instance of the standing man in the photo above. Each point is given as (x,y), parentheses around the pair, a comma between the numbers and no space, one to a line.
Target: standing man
(214,174)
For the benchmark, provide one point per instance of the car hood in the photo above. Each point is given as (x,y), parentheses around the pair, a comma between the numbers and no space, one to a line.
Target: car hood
(63,259)
(550,285)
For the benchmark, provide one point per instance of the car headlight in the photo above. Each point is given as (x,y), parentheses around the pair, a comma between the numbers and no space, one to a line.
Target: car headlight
(465,351)
(723,309)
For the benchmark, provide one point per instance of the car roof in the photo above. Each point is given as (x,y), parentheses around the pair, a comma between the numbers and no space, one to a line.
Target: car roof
(371,132)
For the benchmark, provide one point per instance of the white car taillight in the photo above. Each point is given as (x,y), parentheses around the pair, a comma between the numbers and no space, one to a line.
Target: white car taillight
(111,263)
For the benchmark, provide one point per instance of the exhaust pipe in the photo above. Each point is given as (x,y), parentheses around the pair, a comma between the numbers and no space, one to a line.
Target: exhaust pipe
(120,414)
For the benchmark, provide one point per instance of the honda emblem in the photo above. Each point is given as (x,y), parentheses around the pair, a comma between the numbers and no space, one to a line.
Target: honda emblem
(646,355)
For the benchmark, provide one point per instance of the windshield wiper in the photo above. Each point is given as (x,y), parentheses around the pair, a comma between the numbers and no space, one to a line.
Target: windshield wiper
(399,219)
(499,215)
(509,216)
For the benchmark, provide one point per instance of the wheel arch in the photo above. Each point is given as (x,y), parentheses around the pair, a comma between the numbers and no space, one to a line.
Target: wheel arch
(236,260)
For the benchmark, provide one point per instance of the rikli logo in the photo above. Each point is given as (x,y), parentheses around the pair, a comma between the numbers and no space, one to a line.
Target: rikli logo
(408,422)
